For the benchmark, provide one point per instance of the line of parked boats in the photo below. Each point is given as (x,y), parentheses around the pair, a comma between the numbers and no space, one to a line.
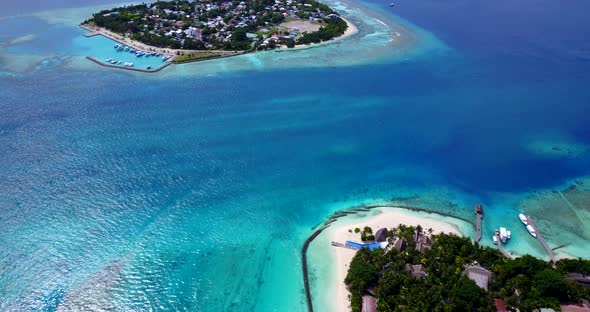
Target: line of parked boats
(117,62)
(529,227)
(140,53)
(504,234)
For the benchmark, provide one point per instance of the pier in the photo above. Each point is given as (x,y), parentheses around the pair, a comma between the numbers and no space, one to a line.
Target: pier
(129,68)
(479,216)
(337,244)
(541,239)
(91,34)
(499,244)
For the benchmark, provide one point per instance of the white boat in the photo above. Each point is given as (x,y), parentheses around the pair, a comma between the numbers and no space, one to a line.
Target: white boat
(523,219)
(504,234)
(495,238)
(531,230)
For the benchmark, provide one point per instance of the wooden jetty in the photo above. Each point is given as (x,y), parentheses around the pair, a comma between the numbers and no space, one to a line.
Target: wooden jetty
(337,244)
(155,70)
(479,216)
(499,244)
(91,34)
(541,239)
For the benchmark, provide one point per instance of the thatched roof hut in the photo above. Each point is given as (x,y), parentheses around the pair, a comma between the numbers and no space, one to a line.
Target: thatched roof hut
(401,244)
(417,270)
(381,235)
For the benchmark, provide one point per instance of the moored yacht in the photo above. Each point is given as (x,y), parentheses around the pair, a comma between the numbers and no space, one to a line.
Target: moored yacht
(504,234)
(531,230)
(523,219)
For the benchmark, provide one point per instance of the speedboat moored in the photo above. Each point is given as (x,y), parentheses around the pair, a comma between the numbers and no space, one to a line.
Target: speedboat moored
(531,230)
(504,234)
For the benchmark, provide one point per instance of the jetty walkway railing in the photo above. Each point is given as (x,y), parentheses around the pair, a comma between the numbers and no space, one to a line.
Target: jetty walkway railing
(541,239)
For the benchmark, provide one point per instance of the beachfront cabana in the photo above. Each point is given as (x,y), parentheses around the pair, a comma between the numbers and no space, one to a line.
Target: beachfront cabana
(381,235)
(401,244)
(417,270)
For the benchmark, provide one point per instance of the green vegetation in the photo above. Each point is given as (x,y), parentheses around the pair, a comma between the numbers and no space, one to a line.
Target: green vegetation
(193,57)
(367,234)
(220,24)
(332,28)
(525,283)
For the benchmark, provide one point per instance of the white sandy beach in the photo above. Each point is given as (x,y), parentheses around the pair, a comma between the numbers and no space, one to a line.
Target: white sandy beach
(351,30)
(387,217)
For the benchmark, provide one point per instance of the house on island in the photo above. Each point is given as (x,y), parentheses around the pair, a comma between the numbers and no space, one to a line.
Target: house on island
(400,244)
(423,241)
(500,306)
(582,307)
(417,270)
(381,235)
(581,279)
(479,275)
(369,304)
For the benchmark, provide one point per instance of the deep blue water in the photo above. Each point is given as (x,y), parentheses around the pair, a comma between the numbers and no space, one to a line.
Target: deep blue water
(196,194)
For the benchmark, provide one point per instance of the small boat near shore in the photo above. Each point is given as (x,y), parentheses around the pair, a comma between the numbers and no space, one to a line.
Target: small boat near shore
(531,230)
(523,219)
(503,234)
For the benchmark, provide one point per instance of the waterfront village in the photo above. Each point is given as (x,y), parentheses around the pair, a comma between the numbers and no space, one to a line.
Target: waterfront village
(221,25)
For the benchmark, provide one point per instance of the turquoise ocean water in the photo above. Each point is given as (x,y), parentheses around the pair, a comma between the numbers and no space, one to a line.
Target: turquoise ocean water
(194,188)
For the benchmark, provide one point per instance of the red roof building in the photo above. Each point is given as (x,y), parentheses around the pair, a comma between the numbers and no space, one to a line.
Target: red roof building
(500,307)
(575,308)
(369,304)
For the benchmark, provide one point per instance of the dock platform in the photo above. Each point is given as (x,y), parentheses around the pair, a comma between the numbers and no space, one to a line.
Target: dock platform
(541,239)
(155,70)
(91,34)
(479,217)
(337,244)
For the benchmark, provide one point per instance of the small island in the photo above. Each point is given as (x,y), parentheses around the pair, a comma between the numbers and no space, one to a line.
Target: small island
(419,271)
(183,31)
